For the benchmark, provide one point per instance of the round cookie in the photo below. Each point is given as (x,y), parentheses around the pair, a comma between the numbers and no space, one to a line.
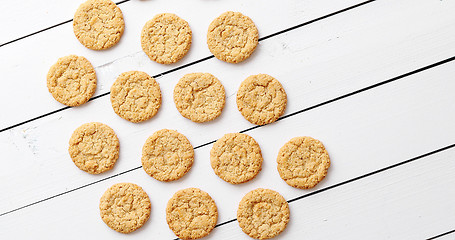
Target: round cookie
(167,155)
(261,99)
(232,37)
(72,80)
(199,97)
(236,158)
(135,96)
(98,24)
(166,38)
(125,207)
(94,147)
(191,213)
(303,162)
(263,214)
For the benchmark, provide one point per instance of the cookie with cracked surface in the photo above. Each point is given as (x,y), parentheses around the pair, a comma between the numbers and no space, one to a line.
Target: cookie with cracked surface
(263,213)
(167,155)
(191,213)
(98,24)
(303,162)
(166,38)
(135,96)
(72,80)
(125,207)
(236,158)
(199,97)
(232,37)
(94,147)
(261,99)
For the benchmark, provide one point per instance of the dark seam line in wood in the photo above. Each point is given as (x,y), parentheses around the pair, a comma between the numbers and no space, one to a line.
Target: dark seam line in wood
(101,95)
(184,66)
(48,28)
(218,225)
(317,19)
(249,129)
(369,87)
(361,177)
(272,35)
(442,235)
(33,119)
(124,1)
(374,172)
(201,60)
(289,115)
(31,34)
(72,190)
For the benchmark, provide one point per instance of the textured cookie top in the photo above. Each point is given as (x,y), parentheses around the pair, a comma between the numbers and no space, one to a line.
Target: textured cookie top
(303,162)
(94,147)
(135,96)
(166,38)
(199,97)
(263,213)
(191,213)
(72,80)
(167,155)
(98,24)
(261,99)
(232,37)
(125,207)
(236,158)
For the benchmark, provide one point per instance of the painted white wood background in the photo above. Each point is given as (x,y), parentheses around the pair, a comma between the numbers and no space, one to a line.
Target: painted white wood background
(374,80)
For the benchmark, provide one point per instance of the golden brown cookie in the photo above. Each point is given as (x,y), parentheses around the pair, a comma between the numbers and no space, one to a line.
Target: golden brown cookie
(135,96)
(94,147)
(263,213)
(191,213)
(236,158)
(167,155)
(125,207)
(72,80)
(232,37)
(199,97)
(303,162)
(261,99)
(166,38)
(98,24)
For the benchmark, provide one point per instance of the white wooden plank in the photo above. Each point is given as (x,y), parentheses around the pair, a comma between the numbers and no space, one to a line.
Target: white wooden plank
(362,133)
(39,150)
(26,62)
(412,201)
(20,18)
(448,236)
(24,17)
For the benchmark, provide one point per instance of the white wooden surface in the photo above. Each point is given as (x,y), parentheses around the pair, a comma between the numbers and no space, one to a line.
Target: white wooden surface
(370,82)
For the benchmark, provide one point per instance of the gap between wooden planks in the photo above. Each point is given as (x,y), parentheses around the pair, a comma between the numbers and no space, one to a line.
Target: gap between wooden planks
(183,66)
(354,92)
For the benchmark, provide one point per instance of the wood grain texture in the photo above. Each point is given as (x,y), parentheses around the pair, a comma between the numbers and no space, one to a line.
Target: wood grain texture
(363,133)
(39,52)
(316,63)
(409,202)
(38,149)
